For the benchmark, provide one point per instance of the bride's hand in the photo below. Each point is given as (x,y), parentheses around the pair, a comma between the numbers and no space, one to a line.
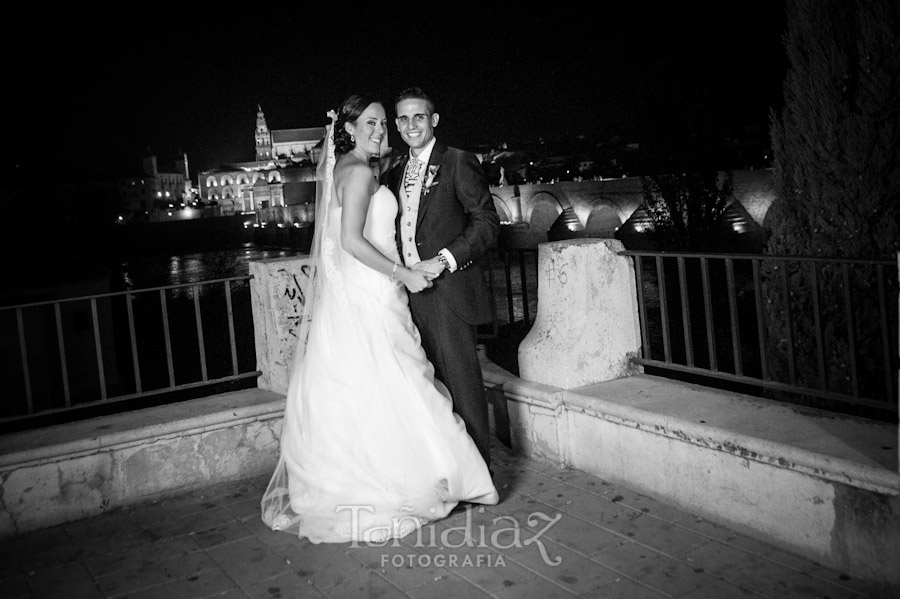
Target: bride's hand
(414,280)
(432,266)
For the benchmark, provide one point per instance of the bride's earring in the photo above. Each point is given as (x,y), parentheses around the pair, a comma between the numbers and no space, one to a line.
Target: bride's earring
(352,138)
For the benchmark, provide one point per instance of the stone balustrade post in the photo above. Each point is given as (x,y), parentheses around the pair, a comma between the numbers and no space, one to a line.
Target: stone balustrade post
(278,292)
(587,326)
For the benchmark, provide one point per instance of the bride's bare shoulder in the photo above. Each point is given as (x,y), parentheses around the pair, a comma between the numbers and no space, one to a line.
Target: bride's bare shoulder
(351,168)
(354,175)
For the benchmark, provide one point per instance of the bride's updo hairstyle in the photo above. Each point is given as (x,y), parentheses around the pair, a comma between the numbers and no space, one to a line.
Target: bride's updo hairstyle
(349,111)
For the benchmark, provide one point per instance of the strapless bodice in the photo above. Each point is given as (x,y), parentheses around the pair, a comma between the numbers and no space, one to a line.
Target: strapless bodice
(381,222)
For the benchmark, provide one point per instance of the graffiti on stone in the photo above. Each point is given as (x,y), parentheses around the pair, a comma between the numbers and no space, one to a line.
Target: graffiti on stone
(295,295)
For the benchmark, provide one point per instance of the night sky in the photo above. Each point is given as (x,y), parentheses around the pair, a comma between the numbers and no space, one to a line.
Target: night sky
(97,90)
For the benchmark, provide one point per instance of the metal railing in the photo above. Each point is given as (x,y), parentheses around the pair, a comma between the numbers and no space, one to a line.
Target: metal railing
(821,330)
(512,280)
(814,331)
(79,352)
(75,353)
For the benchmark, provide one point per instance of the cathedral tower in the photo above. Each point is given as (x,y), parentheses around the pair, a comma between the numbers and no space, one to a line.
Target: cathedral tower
(263,137)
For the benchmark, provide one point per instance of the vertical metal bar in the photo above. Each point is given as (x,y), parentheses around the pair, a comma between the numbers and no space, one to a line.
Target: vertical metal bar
(787,322)
(134,350)
(885,341)
(234,364)
(642,307)
(536,270)
(507,270)
(489,256)
(524,279)
(99,348)
(817,322)
(710,318)
(24,352)
(200,345)
(64,367)
(663,308)
(685,313)
(760,324)
(168,338)
(851,335)
(732,310)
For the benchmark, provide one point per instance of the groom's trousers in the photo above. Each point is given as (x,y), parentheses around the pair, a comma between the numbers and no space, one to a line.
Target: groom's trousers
(450,345)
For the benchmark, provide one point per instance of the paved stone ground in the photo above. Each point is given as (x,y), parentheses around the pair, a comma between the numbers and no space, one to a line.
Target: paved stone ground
(556,533)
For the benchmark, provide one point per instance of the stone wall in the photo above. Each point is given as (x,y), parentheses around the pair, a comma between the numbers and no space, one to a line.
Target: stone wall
(82,469)
(817,485)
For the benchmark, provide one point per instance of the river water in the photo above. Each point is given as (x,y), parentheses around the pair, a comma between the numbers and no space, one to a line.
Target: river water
(158,269)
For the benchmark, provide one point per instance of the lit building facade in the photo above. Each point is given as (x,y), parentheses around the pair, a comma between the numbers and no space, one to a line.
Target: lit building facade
(144,193)
(282,174)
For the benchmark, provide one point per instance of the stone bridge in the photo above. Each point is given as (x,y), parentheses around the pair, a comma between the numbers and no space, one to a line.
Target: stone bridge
(603,207)
(589,209)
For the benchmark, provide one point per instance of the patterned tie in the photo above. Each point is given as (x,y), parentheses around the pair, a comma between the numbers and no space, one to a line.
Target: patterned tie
(412,175)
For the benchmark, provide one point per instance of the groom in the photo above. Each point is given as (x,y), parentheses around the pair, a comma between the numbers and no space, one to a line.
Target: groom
(445,223)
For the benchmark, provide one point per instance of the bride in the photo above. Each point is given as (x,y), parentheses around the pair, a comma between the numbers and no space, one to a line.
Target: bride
(370,446)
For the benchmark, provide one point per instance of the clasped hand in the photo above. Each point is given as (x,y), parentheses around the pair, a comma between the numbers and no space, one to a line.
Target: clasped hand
(418,279)
(422,274)
(432,266)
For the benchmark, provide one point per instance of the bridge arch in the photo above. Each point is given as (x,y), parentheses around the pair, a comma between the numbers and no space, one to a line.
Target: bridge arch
(504,211)
(603,220)
(544,208)
(543,214)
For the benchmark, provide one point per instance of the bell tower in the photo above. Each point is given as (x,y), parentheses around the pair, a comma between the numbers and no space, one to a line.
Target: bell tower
(263,137)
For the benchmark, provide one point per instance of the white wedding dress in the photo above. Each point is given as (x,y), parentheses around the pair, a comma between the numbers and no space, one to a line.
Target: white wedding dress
(371,448)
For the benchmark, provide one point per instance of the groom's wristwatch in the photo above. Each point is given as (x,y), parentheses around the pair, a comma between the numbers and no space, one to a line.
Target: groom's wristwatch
(443,260)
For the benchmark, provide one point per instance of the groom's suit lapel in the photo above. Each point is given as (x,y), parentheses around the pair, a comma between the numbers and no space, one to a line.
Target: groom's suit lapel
(437,158)
(399,169)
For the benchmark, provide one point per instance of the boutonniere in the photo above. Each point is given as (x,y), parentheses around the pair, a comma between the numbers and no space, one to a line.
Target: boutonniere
(430,178)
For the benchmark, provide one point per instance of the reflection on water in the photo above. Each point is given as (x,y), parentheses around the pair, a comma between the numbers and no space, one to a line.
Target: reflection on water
(150,269)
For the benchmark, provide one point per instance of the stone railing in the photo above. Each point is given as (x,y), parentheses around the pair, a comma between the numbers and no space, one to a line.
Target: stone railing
(822,487)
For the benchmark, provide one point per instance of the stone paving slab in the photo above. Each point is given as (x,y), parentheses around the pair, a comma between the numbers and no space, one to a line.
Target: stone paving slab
(555,533)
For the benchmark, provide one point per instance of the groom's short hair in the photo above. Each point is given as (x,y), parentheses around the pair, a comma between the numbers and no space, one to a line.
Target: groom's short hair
(416,93)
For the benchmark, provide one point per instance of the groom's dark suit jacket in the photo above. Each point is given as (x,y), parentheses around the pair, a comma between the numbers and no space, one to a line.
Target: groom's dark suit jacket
(456,212)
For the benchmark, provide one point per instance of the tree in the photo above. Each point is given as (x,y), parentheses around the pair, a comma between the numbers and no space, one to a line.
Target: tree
(837,173)
(684,208)
(837,142)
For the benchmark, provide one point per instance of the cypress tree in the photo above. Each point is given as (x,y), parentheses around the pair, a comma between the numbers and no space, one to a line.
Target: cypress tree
(837,173)
(837,141)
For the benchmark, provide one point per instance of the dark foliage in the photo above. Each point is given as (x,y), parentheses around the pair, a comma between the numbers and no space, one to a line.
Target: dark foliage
(837,173)
(684,209)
